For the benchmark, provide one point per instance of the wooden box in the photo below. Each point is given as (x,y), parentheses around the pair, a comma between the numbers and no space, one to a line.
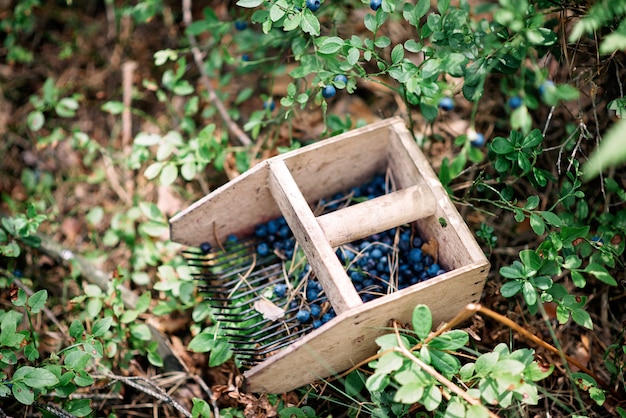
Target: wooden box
(288,185)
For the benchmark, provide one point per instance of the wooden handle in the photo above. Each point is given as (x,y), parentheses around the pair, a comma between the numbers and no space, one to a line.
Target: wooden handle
(320,255)
(377,215)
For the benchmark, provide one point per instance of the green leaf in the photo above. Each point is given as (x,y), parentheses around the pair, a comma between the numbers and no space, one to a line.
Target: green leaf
(153,170)
(169,173)
(531,260)
(330,45)
(390,362)
(600,273)
(220,353)
(450,340)
(77,360)
(409,393)
(432,398)
(141,331)
(578,279)
(101,326)
(511,272)
(154,229)
(202,343)
(532,202)
(23,393)
(582,318)
(249,3)
(510,289)
(35,120)
(277,10)
(397,53)
(530,294)
(76,330)
(155,359)
(501,145)
(377,382)
(537,224)
(37,378)
(422,321)
(552,218)
(113,107)
(610,152)
(309,23)
(446,363)
(354,383)
(485,364)
(83,379)
(38,300)
(78,407)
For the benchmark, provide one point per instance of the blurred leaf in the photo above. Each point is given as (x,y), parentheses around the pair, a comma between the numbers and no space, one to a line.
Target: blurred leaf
(609,153)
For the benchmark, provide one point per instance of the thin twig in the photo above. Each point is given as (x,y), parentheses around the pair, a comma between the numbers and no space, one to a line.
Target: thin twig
(434,373)
(209,392)
(61,413)
(151,389)
(197,56)
(473,308)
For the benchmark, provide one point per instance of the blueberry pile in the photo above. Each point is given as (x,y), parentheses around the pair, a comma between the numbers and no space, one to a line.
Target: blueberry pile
(377,265)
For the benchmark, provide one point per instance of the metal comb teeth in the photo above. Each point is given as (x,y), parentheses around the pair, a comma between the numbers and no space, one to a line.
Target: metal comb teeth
(234,279)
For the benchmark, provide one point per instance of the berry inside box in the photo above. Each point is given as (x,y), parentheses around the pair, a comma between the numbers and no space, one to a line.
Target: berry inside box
(269,294)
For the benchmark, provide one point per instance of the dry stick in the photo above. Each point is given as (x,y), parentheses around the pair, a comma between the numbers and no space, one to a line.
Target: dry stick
(434,373)
(197,56)
(128,69)
(151,389)
(473,308)
(208,391)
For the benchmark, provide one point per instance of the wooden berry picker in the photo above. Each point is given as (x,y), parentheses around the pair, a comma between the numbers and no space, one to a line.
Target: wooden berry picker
(310,254)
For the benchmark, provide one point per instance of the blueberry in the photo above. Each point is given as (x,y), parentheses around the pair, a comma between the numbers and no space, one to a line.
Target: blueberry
(340,78)
(269,104)
(375,4)
(415,255)
(546,87)
(446,103)
(478,141)
(376,253)
(205,247)
(311,294)
(327,317)
(245,57)
(428,260)
(241,24)
(263,249)
(317,323)
(280,290)
(433,269)
(328,91)
(316,310)
(260,230)
(19,273)
(417,242)
(313,5)
(356,277)
(515,102)
(597,240)
(303,315)
(273,226)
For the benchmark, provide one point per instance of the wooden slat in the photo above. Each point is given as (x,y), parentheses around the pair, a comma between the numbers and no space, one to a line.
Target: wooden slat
(376,215)
(234,208)
(457,245)
(320,255)
(350,338)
